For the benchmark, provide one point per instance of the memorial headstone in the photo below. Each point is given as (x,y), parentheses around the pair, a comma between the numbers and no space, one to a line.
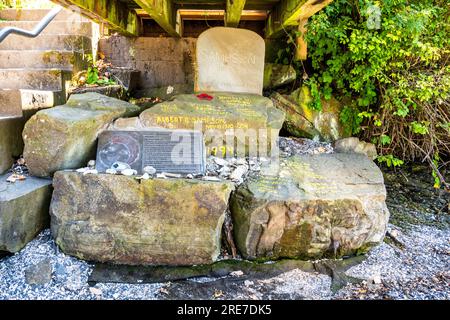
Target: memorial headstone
(230,60)
(175,151)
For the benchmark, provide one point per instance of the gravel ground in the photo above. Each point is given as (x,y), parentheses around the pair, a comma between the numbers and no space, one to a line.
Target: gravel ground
(418,271)
(69,276)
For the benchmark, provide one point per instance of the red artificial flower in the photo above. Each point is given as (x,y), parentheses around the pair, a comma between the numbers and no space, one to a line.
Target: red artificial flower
(204,96)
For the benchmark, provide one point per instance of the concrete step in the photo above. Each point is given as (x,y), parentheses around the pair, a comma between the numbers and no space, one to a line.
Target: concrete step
(38,14)
(54,28)
(14,103)
(13,59)
(62,42)
(35,79)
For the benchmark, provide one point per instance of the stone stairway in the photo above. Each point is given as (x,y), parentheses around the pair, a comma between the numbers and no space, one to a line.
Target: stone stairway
(35,72)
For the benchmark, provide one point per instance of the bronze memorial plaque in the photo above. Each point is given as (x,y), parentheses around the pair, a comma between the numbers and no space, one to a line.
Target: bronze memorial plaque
(174,151)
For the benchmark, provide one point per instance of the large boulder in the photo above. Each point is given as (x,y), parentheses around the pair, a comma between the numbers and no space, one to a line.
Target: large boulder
(222,117)
(328,205)
(65,137)
(303,121)
(24,209)
(118,219)
(277,75)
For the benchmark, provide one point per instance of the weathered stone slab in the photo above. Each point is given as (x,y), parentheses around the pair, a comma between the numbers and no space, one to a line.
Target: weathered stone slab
(277,75)
(10,103)
(328,205)
(11,144)
(175,151)
(108,218)
(24,211)
(126,77)
(65,137)
(248,120)
(230,60)
(114,91)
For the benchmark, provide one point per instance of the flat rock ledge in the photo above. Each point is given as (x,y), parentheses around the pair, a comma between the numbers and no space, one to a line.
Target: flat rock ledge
(118,219)
(23,211)
(65,137)
(311,207)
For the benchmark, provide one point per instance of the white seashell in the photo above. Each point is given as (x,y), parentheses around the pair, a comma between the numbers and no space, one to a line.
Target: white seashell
(208,178)
(238,173)
(172,175)
(221,162)
(120,166)
(150,170)
(128,172)
(145,176)
(90,171)
(111,171)
(11,179)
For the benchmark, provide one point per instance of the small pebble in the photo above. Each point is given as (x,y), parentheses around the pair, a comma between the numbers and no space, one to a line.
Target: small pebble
(150,170)
(172,175)
(120,166)
(111,171)
(208,178)
(90,171)
(128,172)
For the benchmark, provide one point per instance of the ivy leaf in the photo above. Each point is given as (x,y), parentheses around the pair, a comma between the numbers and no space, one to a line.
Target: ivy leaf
(419,128)
(385,139)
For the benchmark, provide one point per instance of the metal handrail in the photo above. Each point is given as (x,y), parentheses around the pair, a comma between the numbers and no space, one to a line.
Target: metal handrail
(4,32)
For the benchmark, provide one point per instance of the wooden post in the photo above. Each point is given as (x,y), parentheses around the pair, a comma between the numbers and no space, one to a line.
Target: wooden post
(233,12)
(302,46)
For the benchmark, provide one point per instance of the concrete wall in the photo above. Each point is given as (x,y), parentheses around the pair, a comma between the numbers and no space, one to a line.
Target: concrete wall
(162,61)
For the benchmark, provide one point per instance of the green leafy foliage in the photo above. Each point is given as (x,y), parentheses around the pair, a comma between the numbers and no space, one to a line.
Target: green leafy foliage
(93,76)
(390,58)
(390,160)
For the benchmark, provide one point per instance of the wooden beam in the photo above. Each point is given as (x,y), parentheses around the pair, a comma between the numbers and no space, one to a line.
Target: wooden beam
(112,13)
(302,46)
(233,12)
(289,12)
(162,12)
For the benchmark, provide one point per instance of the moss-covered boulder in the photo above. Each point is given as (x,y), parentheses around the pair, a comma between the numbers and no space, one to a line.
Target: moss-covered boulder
(222,117)
(121,220)
(302,121)
(24,209)
(328,205)
(65,137)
